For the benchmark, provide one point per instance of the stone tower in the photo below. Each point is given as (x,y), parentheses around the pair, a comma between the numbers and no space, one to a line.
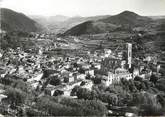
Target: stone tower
(129,59)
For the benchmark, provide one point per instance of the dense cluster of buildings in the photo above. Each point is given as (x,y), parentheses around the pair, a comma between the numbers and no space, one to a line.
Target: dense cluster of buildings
(57,75)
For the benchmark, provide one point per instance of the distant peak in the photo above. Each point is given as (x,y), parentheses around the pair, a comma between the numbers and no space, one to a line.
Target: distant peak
(128,13)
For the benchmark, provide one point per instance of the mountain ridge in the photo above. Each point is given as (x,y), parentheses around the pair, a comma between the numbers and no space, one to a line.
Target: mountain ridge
(123,21)
(14,21)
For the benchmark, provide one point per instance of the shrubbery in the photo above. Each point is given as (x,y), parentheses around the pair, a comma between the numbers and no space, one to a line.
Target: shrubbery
(70,107)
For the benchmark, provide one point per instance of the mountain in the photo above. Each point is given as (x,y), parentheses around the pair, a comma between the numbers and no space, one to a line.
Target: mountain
(14,21)
(79,19)
(73,21)
(157,17)
(41,20)
(127,18)
(124,21)
(58,18)
(91,27)
(161,24)
(60,24)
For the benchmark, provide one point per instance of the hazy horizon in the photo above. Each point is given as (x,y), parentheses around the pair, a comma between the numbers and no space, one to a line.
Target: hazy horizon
(85,8)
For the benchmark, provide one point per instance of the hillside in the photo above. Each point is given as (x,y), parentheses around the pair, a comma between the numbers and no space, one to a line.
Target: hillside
(14,21)
(60,24)
(91,27)
(127,18)
(124,21)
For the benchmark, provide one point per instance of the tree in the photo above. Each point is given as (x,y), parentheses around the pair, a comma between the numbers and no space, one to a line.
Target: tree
(153,78)
(97,79)
(161,99)
(81,70)
(94,95)
(111,89)
(109,98)
(58,92)
(160,85)
(132,86)
(150,110)
(15,97)
(70,107)
(75,90)
(88,76)
(19,84)
(85,107)
(84,93)
(138,85)
(143,86)
(75,65)
(55,81)
(137,78)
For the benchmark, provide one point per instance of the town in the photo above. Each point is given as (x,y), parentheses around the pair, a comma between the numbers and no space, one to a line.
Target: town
(61,76)
(82,58)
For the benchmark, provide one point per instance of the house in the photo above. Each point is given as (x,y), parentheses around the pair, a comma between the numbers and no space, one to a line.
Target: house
(136,72)
(3,72)
(79,76)
(69,79)
(50,89)
(36,77)
(1,54)
(107,52)
(2,96)
(123,64)
(40,51)
(67,66)
(141,68)
(85,66)
(66,74)
(145,74)
(34,84)
(148,59)
(21,70)
(89,72)
(120,55)
(97,65)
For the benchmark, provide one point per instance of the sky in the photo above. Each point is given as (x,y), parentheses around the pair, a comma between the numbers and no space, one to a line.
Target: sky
(85,7)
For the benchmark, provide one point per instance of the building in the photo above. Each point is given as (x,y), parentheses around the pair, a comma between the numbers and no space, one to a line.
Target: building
(1,54)
(69,79)
(65,88)
(89,72)
(79,76)
(117,76)
(136,72)
(97,65)
(86,66)
(36,78)
(120,55)
(129,59)
(2,96)
(107,52)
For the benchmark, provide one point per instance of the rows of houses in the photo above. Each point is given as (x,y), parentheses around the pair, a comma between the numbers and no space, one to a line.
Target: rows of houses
(59,75)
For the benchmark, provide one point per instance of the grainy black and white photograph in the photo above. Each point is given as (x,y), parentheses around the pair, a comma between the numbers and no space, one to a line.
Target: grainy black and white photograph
(82,58)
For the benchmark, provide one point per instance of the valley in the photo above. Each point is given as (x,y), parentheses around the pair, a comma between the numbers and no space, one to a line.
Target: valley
(110,65)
